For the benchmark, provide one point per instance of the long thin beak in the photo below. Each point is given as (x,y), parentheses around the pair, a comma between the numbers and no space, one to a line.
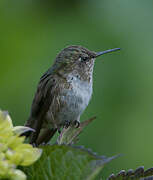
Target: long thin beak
(107,51)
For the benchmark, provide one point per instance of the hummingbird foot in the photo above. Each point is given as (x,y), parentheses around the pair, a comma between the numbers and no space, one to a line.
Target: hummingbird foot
(76,123)
(67,124)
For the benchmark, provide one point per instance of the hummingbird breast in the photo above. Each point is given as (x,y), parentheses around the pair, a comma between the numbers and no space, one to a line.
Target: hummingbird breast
(75,98)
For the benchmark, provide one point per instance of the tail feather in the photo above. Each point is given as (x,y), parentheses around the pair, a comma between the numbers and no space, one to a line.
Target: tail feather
(46,136)
(38,135)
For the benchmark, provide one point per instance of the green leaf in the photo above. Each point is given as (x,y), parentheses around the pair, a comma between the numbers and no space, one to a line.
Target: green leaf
(62,162)
(138,174)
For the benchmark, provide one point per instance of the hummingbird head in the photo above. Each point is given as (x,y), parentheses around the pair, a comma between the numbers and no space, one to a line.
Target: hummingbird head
(78,60)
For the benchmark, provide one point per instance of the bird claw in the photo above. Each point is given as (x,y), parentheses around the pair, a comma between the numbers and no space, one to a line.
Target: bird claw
(77,124)
(67,124)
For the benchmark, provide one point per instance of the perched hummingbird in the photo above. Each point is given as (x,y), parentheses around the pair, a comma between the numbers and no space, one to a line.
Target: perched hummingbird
(63,93)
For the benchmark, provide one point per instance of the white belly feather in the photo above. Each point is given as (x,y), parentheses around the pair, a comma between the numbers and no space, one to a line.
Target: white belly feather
(76,99)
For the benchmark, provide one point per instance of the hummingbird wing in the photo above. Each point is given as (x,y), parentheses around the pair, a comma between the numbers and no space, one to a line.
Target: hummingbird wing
(46,94)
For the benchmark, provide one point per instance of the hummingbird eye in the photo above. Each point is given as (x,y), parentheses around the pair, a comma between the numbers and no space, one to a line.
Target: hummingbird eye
(84,59)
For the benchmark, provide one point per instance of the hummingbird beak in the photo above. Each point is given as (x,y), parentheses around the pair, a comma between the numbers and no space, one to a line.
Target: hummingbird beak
(107,51)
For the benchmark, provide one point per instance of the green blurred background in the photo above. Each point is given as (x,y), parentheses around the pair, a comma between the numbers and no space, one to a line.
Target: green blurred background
(32,32)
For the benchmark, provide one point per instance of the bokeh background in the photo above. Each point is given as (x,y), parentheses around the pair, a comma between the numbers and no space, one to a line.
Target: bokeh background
(32,32)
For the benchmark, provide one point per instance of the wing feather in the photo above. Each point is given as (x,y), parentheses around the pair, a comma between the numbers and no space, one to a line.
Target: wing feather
(44,97)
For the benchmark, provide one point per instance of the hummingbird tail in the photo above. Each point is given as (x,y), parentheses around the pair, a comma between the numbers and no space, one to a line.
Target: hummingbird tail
(38,135)
(45,136)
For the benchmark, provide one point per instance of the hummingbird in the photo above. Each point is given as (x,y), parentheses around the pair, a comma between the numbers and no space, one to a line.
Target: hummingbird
(63,93)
